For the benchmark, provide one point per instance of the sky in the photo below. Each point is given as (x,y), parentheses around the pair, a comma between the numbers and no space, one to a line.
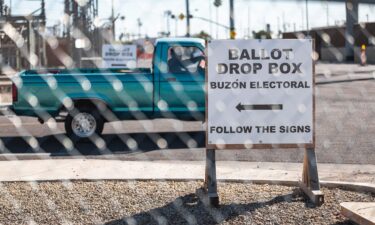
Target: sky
(249,15)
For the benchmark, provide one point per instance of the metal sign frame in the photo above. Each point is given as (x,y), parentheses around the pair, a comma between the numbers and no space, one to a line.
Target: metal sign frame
(310,184)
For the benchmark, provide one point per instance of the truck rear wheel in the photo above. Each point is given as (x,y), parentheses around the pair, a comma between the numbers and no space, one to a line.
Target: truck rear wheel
(84,124)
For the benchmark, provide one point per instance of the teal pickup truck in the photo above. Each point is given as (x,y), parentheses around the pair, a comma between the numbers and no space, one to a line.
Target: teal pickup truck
(87,98)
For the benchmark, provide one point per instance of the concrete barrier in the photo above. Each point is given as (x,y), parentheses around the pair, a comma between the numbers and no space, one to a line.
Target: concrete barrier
(362,213)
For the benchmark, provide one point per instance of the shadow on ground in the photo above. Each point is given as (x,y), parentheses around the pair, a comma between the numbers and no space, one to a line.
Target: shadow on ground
(193,209)
(115,143)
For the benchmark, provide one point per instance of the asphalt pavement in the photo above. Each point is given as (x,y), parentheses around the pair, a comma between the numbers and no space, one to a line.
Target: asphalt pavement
(344,132)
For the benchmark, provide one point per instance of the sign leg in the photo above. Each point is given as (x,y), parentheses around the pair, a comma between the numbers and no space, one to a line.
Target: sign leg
(310,179)
(210,183)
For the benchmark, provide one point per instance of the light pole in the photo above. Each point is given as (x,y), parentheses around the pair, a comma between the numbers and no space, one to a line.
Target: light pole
(168,14)
(210,16)
(217,4)
(139,22)
(113,21)
(173,16)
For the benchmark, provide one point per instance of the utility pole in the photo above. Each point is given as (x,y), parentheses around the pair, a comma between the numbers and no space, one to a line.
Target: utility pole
(76,24)
(42,49)
(187,19)
(43,13)
(113,21)
(231,20)
(1,7)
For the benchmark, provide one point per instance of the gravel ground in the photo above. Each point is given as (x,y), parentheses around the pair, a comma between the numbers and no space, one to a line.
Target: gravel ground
(142,202)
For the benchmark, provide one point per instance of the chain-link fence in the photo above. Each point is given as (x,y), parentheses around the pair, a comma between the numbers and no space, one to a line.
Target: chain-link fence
(100,125)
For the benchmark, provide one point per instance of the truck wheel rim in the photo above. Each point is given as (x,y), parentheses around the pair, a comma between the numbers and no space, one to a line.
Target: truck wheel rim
(84,125)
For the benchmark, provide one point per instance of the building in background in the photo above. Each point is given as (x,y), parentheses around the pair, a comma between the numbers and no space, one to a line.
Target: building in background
(330,41)
(22,44)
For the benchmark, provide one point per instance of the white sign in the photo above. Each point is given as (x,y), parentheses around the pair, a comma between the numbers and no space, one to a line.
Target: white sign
(119,56)
(260,92)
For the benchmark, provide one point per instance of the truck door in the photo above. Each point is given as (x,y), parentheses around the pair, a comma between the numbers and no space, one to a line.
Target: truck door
(182,81)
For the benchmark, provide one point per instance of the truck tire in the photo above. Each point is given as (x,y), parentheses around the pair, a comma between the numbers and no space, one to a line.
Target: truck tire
(83,124)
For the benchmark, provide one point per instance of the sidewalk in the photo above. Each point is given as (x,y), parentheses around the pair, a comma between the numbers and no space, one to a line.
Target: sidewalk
(327,73)
(94,169)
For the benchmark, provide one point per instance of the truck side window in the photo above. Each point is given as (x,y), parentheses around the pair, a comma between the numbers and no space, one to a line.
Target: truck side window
(184,59)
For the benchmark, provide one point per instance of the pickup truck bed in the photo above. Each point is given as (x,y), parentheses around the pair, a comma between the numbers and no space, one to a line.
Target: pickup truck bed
(116,89)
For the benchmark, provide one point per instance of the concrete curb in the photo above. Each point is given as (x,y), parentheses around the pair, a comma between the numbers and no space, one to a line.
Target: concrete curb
(287,174)
(359,212)
(351,186)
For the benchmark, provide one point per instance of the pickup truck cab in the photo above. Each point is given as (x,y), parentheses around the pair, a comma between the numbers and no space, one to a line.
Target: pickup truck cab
(172,88)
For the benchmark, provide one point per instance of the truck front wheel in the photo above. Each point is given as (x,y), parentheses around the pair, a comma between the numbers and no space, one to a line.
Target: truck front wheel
(84,124)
